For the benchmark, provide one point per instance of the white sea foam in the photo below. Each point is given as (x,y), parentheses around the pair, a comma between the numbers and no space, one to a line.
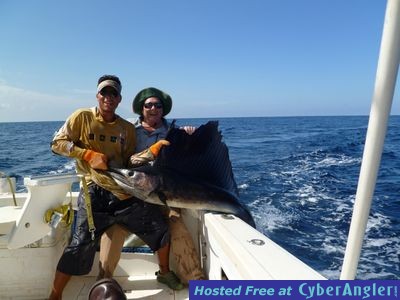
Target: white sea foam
(377,221)
(378,242)
(329,248)
(268,217)
(243,186)
(69,167)
(337,161)
(331,245)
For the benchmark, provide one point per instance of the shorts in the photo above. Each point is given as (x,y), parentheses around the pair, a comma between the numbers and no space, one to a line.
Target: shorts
(143,219)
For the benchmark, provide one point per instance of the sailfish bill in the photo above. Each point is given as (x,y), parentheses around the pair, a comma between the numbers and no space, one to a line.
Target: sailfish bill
(193,172)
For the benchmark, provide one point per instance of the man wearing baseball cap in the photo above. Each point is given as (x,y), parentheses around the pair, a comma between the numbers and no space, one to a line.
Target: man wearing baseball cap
(98,138)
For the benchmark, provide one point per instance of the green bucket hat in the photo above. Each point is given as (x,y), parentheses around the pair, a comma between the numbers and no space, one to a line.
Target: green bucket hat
(138,101)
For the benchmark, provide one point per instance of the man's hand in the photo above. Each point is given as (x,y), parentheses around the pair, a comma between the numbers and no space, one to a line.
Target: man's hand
(189,129)
(96,160)
(156,147)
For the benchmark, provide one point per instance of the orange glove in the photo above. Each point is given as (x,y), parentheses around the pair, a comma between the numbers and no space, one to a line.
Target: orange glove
(156,147)
(96,160)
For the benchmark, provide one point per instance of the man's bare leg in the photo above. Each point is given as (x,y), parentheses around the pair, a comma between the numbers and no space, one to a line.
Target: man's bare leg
(163,259)
(60,281)
(111,244)
(188,266)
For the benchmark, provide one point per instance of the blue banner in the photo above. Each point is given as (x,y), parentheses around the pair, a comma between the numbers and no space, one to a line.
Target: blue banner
(294,289)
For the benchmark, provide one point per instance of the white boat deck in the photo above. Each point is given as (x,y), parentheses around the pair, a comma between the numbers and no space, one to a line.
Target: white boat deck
(136,275)
(135,288)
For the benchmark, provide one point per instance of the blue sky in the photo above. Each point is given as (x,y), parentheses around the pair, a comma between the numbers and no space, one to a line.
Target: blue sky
(216,58)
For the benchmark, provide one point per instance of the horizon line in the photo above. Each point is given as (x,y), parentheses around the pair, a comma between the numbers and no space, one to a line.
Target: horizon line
(233,117)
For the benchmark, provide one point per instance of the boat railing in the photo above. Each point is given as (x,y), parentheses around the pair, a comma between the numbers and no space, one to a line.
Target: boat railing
(233,250)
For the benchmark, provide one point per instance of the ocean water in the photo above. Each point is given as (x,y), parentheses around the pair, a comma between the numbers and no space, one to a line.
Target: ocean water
(298,175)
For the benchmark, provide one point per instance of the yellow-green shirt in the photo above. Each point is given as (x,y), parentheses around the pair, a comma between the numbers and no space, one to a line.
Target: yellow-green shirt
(86,129)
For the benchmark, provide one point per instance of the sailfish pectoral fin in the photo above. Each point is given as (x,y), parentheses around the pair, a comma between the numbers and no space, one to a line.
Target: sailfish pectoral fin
(171,212)
(162,198)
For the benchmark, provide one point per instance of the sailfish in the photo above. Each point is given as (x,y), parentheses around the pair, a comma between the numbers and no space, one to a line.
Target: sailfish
(193,172)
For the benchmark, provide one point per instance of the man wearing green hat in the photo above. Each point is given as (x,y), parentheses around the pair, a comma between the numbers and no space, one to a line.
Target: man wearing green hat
(152,105)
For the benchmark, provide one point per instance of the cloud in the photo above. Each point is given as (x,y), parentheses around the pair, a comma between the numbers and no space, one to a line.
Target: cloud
(4,105)
(20,104)
(81,91)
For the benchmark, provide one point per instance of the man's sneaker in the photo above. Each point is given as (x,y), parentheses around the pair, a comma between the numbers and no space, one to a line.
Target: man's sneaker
(170,279)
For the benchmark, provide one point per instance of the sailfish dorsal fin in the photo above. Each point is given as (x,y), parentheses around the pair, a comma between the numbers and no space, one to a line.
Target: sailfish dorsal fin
(202,155)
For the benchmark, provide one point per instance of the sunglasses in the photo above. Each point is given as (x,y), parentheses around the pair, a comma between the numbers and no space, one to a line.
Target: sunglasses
(112,93)
(149,105)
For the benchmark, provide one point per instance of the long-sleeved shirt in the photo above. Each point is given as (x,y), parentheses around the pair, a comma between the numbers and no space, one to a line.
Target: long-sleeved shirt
(86,129)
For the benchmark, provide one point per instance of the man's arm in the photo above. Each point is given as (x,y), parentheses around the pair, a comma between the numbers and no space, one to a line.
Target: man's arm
(65,143)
